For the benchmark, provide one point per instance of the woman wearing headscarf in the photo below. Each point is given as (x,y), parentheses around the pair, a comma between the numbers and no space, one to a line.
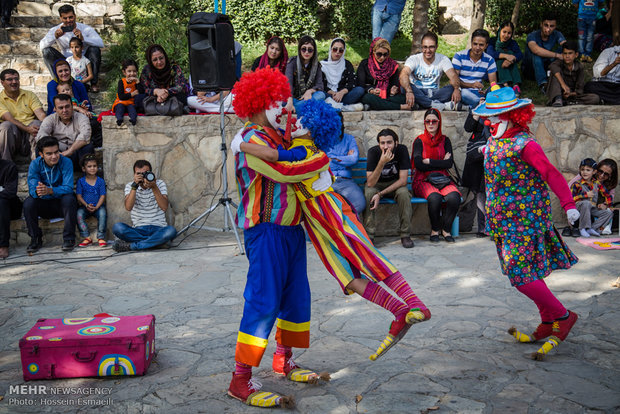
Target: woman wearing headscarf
(275,56)
(378,75)
(507,54)
(339,79)
(62,73)
(161,78)
(304,73)
(432,157)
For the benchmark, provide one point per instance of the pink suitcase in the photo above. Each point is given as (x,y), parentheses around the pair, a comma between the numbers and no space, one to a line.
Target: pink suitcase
(88,347)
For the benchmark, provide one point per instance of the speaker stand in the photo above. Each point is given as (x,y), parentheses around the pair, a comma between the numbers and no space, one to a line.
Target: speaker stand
(224,201)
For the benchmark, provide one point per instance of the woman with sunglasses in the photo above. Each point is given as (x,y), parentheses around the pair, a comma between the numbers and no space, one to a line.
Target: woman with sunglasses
(339,80)
(275,56)
(431,158)
(378,75)
(304,73)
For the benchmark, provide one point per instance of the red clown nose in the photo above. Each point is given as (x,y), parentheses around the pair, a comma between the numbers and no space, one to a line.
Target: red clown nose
(487,122)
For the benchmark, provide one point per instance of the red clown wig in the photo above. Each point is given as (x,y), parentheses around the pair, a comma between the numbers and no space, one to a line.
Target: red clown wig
(521,117)
(259,90)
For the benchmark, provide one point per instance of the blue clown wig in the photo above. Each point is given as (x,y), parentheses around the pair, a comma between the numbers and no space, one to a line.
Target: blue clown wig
(323,122)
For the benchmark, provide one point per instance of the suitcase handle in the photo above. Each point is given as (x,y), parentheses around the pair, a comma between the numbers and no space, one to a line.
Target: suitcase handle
(88,358)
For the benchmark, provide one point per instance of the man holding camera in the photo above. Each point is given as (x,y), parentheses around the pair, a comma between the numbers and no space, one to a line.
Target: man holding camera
(62,34)
(147,199)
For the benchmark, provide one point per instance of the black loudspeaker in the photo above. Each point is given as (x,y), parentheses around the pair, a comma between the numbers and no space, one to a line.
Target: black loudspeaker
(211,51)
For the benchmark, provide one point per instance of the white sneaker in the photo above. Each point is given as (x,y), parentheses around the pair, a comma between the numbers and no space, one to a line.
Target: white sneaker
(594,232)
(607,229)
(584,233)
(438,105)
(449,106)
(334,104)
(353,107)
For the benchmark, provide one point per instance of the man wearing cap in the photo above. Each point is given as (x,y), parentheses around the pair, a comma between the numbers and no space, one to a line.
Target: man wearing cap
(517,173)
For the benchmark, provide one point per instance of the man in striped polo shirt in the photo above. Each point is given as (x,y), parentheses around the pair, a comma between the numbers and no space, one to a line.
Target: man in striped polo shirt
(147,199)
(474,66)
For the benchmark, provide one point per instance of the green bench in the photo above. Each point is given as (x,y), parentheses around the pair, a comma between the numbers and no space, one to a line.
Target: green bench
(359,177)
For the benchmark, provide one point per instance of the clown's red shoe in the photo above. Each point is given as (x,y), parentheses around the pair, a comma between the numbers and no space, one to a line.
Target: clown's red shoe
(283,364)
(247,390)
(398,329)
(561,328)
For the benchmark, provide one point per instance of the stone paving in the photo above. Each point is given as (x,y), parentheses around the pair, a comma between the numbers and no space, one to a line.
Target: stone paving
(461,361)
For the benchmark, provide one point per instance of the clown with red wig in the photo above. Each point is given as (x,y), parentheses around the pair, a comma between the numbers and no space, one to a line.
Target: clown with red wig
(336,233)
(277,288)
(518,176)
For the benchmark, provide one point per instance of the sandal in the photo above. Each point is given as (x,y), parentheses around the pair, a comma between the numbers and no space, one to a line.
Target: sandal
(86,242)
(102,243)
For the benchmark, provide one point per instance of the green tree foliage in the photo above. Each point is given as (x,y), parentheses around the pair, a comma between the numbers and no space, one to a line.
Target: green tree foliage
(406,22)
(531,13)
(350,19)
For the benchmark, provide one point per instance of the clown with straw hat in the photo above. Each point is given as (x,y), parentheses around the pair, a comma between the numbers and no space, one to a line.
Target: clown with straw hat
(518,176)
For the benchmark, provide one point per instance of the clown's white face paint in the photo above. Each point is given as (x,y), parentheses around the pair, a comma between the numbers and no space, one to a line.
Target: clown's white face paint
(277,117)
(497,127)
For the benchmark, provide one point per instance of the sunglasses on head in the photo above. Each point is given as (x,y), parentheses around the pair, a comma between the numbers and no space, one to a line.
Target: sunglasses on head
(431,121)
(379,54)
(337,50)
(307,49)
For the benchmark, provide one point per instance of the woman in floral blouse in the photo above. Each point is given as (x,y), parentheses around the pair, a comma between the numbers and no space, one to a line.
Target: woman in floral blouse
(162,78)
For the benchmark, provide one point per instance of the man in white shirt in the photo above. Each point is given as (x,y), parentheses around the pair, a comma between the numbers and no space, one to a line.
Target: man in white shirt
(421,74)
(62,34)
(606,80)
(147,199)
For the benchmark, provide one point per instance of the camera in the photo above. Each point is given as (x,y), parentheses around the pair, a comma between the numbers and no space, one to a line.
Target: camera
(67,29)
(148,176)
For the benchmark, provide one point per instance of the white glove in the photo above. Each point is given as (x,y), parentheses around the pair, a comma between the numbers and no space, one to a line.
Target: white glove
(324,181)
(235,145)
(481,148)
(572,215)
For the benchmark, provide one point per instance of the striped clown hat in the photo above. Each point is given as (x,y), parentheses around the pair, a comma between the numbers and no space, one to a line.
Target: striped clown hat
(499,101)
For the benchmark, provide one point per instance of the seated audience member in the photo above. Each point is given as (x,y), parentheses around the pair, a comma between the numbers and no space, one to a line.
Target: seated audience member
(147,199)
(21,113)
(10,206)
(474,66)
(421,75)
(543,47)
(304,73)
(431,157)
(70,128)
(62,71)
(50,184)
(162,78)
(61,36)
(568,79)
(507,54)
(203,101)
(585,192)
(127,90)
(387,169)
(473,170)
(606,80)
(276,56)
(339,80)
(607,176)
(586,20)
(603,34)
(81,107)
(81,67)
(342,156)
(378,75)
(90,191)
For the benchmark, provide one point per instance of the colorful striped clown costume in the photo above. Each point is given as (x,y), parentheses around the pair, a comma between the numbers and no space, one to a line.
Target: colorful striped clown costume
(277,288)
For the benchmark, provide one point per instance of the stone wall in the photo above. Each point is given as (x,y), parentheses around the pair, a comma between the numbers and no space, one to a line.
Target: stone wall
(185,152)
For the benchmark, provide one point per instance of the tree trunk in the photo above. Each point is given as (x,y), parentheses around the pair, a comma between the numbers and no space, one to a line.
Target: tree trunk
(615,22)
(420,24)
(477,16)
(515,13)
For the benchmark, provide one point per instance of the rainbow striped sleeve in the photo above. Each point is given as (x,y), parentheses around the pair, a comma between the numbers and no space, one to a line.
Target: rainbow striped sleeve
(290,172)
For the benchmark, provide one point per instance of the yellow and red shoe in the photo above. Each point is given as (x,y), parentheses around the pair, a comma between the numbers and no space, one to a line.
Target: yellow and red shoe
(285,365)
(86,242)
(247,390)
(559,331)
(102,242)
(542,331)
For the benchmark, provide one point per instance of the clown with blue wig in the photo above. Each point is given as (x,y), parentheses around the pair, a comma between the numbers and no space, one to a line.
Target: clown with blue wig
(518,176)
(338,236)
